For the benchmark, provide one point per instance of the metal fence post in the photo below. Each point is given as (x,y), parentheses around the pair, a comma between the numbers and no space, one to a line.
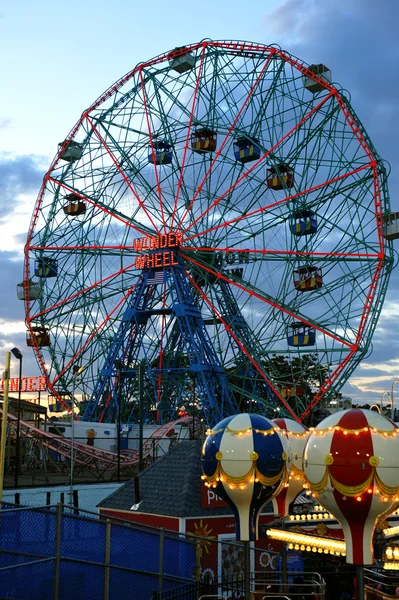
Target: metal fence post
(107,559)
(161,554)
(57,557)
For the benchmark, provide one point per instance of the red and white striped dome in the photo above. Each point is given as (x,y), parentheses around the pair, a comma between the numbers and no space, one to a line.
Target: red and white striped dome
(297,436)
(351,464)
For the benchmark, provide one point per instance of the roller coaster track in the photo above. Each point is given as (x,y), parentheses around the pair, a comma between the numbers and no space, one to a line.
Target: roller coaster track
(89,456)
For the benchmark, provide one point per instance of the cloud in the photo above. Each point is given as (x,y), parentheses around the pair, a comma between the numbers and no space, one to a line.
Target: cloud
(358,41)
(19,175)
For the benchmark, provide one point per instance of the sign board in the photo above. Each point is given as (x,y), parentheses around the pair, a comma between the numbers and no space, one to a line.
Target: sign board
(28,384)
(209,498)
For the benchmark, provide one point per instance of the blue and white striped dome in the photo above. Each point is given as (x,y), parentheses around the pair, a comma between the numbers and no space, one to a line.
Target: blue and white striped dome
(246,460)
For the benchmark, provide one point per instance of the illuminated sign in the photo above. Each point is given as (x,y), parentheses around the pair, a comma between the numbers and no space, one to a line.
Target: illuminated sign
(164,242)
(28,384)
(209,498)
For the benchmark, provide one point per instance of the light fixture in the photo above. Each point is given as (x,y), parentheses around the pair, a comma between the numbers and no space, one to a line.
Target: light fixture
(320,544)
(17,353)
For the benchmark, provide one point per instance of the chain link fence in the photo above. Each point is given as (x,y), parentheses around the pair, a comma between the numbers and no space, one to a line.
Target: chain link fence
(52,553)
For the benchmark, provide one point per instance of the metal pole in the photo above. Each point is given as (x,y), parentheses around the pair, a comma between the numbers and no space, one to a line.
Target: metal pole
(247,569)
(161,555)
(72,441)
(107,559)
(4,423)
(119,424)
(393,410)
(284,567)
(141,413)
(17,451)
(359,582)
(57,557)
(193,398)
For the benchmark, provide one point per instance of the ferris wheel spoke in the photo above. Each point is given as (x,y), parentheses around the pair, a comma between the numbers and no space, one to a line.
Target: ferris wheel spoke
(113,213)
(188,136)
(126,180)
(79,351)
(259,161)
(252,291)
(82,292)
(153,151)
(278,253)
(219,151)
(230,331)
(277,203)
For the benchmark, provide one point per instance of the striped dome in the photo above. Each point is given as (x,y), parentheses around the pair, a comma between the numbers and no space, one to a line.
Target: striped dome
(245,459)
(351,464)
(297,436)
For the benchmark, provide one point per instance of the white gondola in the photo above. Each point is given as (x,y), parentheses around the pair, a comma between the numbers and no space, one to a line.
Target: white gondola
(34,291)
(314,86)
(184,62)
(72,152)
(390,225)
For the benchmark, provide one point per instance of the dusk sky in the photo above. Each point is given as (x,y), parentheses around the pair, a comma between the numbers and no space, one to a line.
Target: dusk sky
(56,59)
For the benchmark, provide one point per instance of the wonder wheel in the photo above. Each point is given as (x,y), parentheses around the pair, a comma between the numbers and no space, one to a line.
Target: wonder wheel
(209,234)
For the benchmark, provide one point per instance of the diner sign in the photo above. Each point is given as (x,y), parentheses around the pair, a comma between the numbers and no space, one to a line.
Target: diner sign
(28,384)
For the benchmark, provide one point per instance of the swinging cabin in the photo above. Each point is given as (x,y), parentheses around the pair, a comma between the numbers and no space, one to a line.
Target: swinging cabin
(39,337)
(322,72)
(246,150)
(160,153)
(299,334)
(72,152)
(46,267)
(280,177)
(304,223)
(307,279)
(203,140)
(183,62)
(74,205)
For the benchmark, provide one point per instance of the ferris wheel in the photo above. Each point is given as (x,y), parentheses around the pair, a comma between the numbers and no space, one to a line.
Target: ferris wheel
(210,231)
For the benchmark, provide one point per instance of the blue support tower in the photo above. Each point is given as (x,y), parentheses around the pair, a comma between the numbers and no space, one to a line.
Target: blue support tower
(187,353)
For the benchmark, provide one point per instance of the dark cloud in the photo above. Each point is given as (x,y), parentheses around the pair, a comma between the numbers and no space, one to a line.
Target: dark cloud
(18,175)
(11,269)
(359,42)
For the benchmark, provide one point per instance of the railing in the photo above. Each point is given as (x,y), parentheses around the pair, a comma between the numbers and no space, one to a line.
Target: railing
(262,588)
(50,553)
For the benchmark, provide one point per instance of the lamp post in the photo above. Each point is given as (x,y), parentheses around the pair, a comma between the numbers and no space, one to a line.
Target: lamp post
(393,410)
(119,365)
(18,355)
(6,378)
(76,371)
(141,413)
(382,397)
(193,403)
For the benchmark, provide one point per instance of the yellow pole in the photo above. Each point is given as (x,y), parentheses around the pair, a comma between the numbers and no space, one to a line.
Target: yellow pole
(4,423)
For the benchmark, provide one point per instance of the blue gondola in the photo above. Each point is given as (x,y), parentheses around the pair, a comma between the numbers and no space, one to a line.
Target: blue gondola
(246,150)
(160,153)
(299,334)
(304,223)
(46,267)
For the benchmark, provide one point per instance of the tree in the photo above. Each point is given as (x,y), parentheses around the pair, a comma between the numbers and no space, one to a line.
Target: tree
(298,378)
